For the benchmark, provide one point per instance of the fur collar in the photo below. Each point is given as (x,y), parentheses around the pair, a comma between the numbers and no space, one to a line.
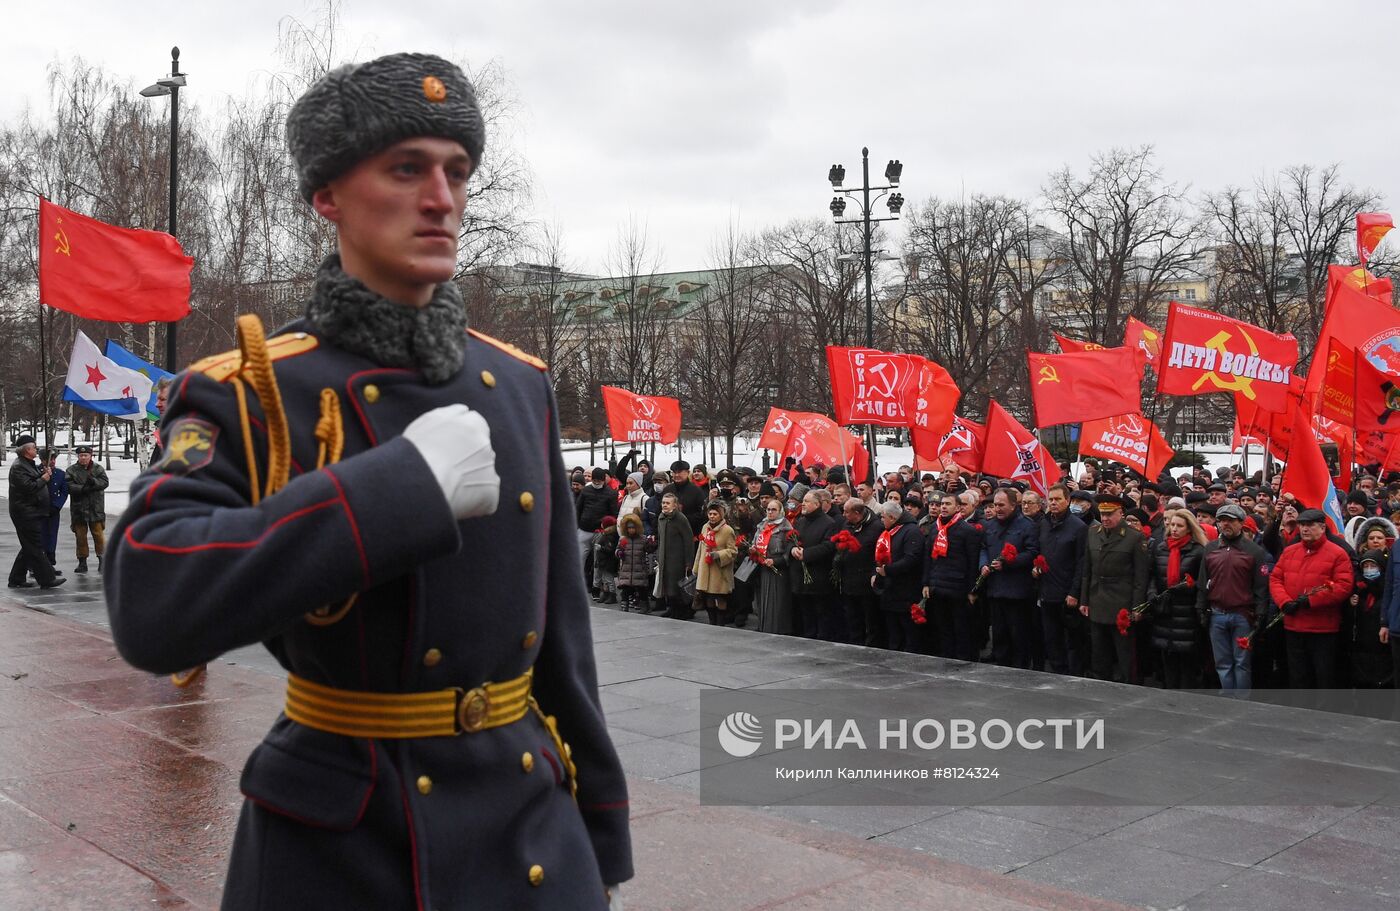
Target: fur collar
(432,339)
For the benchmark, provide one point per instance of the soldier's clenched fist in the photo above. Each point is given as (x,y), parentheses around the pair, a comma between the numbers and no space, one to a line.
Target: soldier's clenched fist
(456,443)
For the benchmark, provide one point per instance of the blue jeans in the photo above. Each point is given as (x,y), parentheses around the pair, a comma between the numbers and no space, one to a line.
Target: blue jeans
(1231,661)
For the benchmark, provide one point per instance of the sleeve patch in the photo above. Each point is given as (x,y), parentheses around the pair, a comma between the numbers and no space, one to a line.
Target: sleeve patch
(189,447)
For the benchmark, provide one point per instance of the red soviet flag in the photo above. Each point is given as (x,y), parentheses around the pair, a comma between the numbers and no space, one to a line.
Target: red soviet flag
(1205,352)
(777,428)
(1068,345)
(1274,427)
(933,397)
(961,445)
(1085,385)
(121,275)
(1358,322)
(1360,279)
(869,386)
(1377,406)
(1013,452)
(1138,334)
(641,418)
(814,438)
(1129,439)
(1371,227)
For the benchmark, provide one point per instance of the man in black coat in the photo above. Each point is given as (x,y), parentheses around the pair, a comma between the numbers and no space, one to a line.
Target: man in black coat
(864,625)
(29,507)
(809,569)
(954,551)
(691,497)
(1062,537)
(899,573)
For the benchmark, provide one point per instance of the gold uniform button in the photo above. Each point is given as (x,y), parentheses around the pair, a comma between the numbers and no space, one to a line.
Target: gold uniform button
(536,875)
(371,393)
(530,639)
(527,501)
(425,784)
(527,762)
(489,379)
(431,657)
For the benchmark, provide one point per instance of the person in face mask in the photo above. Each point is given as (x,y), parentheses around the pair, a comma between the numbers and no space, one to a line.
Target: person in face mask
(1081,504)
(652,507)
(1363,619)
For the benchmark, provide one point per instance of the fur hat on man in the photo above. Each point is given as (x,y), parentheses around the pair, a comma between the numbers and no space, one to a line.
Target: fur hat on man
(361,109)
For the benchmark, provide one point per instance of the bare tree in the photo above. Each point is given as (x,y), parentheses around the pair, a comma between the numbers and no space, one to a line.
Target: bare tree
(1129,236)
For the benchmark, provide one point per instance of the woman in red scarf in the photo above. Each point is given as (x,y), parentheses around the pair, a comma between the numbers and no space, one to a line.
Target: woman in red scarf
(1177,629)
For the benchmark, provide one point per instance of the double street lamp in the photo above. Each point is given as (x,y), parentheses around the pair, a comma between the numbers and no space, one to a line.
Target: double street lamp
(837,175)
(170,85)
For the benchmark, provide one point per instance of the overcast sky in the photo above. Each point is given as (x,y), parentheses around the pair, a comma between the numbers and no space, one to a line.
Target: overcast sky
(687,115)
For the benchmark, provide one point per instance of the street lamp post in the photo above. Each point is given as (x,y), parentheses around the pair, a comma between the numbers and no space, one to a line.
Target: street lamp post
(170,85)
(837,176)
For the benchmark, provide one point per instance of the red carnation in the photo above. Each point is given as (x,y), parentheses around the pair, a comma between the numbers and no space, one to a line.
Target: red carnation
(916,613)
(1125,620)
(1189,581)
(1244,643)
(1040,565)
(1008,552)
(709,559)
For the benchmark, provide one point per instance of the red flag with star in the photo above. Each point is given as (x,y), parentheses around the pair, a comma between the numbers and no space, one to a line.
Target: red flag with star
(121,275)
(1013,452)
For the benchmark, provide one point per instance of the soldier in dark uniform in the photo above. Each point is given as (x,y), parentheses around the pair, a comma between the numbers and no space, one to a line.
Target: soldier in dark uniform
(1116,568)
(377,494)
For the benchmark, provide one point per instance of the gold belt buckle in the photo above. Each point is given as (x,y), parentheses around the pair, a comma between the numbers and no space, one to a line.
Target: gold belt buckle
(472,710)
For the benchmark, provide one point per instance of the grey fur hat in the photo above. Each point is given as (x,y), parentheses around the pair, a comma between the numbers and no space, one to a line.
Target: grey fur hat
(361,109)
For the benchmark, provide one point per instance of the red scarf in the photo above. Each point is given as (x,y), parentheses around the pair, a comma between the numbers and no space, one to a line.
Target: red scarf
(883,551)
(707,535)
(760,542)
(1174,549)
(940,542)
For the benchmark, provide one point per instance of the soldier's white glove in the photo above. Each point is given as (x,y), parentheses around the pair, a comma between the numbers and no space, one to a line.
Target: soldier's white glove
(614,898)
(456,443)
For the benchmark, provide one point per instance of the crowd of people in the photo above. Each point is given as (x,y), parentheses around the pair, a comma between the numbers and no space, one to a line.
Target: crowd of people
(1191,581)
(38,491)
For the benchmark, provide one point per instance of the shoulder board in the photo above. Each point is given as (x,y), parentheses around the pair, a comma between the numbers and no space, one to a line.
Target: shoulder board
(509,349)
(221,367)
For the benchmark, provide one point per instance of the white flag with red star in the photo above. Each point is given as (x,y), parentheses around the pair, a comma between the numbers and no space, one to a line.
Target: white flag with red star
(99,384)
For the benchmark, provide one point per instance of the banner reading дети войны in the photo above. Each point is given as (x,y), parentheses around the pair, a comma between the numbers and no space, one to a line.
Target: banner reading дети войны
(1205,352)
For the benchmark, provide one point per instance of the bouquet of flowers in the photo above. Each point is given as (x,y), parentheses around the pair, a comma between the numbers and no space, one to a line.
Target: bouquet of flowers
(846,542)
(1127,618)
(916,613)
(1040,566)
(1007,555)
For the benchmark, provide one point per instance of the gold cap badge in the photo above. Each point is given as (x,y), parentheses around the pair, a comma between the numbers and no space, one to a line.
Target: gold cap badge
(433,89)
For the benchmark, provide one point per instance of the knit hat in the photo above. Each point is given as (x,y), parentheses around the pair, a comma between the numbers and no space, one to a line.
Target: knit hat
(637,478)
(609,522)
(361,109)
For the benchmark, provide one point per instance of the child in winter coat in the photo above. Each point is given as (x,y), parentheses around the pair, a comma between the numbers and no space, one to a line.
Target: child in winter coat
(633,564)
(605,561)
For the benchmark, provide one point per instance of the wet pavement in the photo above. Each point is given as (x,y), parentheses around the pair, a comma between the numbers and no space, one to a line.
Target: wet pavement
(119,791)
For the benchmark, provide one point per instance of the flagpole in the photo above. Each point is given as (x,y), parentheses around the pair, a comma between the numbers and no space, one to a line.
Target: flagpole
(44,377)
(1151,428)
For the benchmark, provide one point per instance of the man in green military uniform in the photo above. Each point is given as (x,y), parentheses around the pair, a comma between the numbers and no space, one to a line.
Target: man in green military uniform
(88,508)
(1116,568)
(377,494)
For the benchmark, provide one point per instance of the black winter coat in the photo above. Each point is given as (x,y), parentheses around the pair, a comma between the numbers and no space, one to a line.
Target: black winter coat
(902,584)
(953,574)
(855,569)
(1062,546)
(29,492)
(592,504)
(814,534)
(1176,624)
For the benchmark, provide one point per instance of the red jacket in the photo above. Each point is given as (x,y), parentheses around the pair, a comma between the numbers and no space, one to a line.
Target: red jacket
(1302,566)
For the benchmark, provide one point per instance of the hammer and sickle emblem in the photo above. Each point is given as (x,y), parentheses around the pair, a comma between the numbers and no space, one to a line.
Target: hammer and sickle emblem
(61,241)
(1392,400)
(1239,383)
(1047,374)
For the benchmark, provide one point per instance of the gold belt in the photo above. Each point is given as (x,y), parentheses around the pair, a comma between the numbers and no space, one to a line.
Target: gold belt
(383,716)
